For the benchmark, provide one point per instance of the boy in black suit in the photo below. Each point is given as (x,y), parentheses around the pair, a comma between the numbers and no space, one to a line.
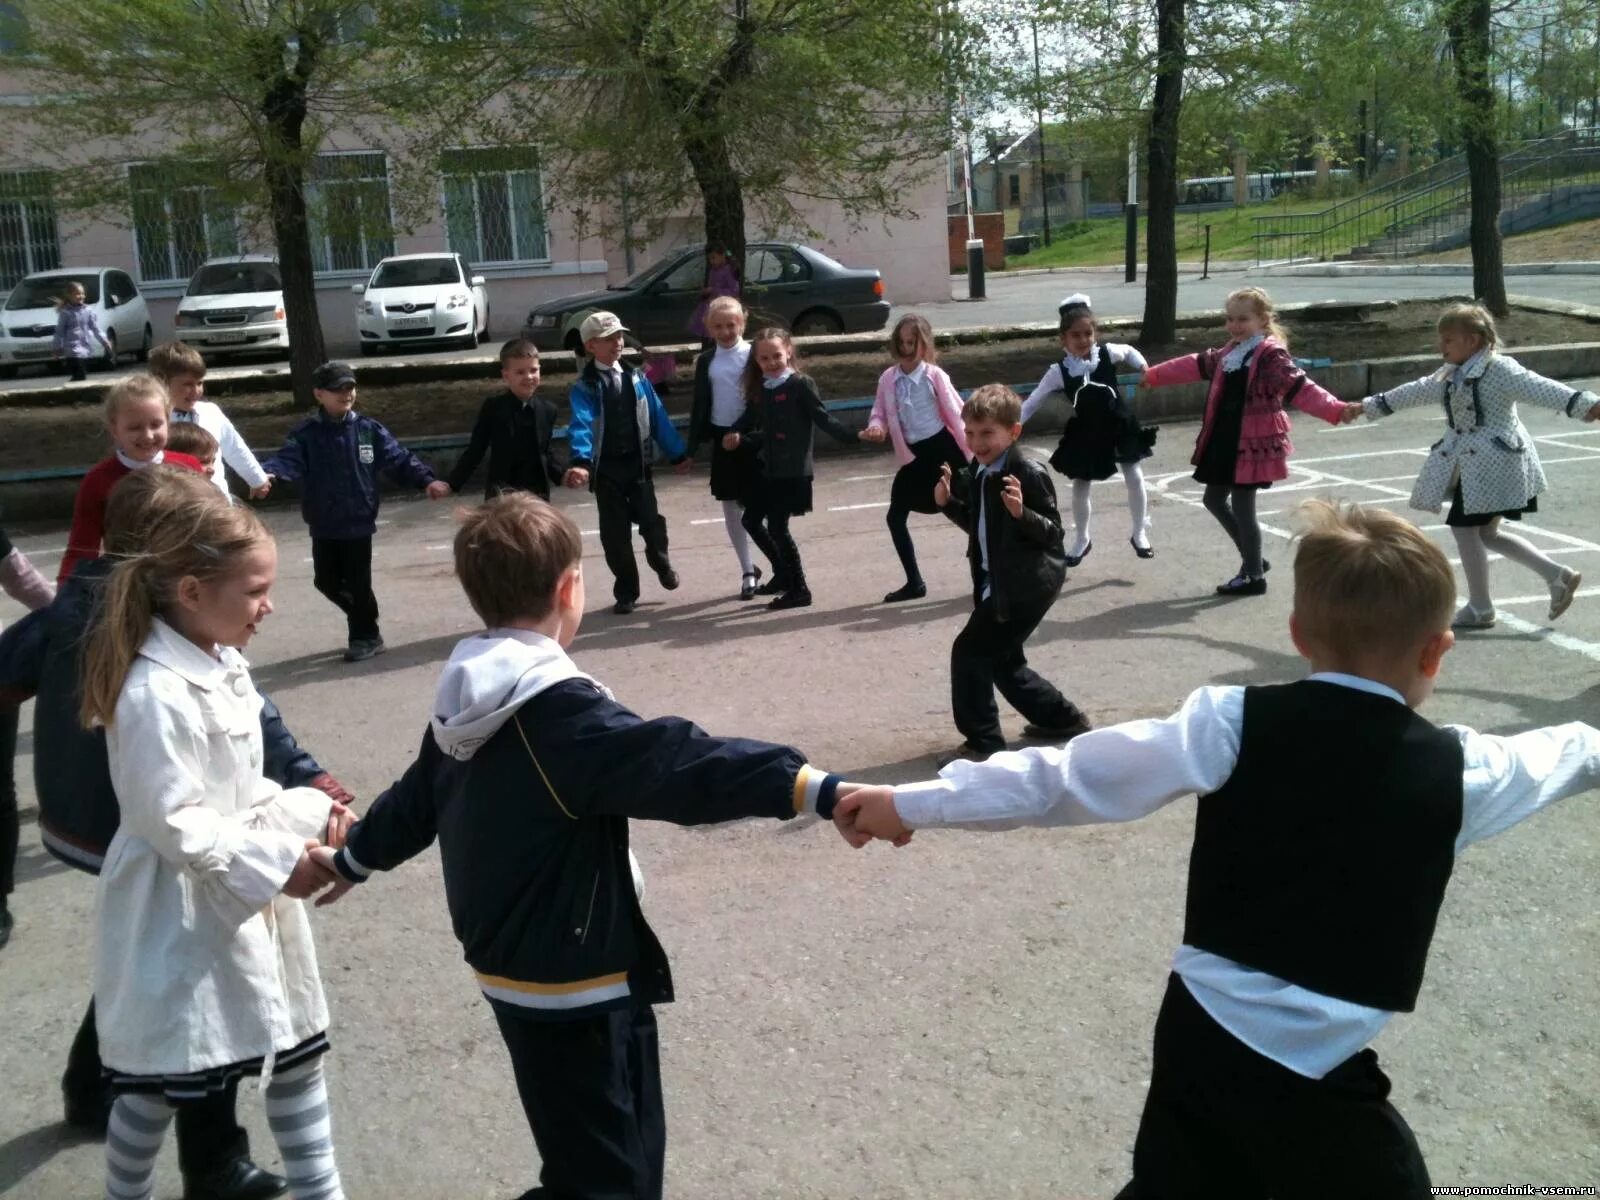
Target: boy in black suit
(1007,504)
(514,427)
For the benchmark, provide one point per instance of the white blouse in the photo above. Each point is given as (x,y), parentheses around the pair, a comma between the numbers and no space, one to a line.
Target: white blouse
(727,383)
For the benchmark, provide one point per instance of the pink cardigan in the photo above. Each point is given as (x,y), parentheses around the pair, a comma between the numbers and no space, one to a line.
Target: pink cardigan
(1274,381)
(886,416)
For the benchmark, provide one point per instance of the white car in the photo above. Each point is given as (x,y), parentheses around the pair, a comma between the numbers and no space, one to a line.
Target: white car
(422,298)
(233,304)
(28,320)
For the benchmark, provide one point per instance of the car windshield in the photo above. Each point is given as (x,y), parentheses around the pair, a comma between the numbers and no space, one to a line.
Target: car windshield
(417,272)
(226,279)
(44,291)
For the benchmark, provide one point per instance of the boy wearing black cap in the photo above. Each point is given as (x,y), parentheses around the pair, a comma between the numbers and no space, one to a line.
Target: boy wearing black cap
(336,455)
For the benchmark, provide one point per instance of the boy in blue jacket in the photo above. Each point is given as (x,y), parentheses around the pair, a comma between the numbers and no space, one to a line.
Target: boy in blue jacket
(617,420)
(337,455)
(527,776)
(40,657)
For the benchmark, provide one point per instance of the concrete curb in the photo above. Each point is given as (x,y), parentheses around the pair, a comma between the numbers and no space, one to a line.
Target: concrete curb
(1337,270)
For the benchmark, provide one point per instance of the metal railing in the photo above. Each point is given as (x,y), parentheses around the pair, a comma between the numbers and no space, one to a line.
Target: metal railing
(1423,200)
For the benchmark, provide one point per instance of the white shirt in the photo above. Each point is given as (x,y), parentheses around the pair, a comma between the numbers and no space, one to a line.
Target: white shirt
(1128,771)
(727,383)
(231,448)
(915,404)
(1123,356)
(979,473)
(139,464)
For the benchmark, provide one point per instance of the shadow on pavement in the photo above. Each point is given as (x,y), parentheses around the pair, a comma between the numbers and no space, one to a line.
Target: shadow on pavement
(27,1152)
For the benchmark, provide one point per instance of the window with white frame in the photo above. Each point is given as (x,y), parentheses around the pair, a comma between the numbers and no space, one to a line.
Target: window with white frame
(180,219)
(29,239)
(348,199)
(494,205)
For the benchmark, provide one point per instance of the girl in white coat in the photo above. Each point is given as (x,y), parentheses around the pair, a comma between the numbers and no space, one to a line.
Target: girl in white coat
(1486,463)
(205,969)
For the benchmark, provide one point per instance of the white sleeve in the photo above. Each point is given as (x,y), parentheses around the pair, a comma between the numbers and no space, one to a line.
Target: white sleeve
(1119,773)
(1507,779)
(238,455)
(1048,386)
(1529,387)
(1428,390)
(1126,356)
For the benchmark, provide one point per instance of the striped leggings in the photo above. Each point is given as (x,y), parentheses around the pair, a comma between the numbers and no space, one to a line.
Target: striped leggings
(297,1113)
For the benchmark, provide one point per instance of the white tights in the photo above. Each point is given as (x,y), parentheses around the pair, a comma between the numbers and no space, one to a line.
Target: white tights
(1477,542)
(733,522)
(1138,509)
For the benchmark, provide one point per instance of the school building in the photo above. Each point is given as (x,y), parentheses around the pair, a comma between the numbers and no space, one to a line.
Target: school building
(490,206)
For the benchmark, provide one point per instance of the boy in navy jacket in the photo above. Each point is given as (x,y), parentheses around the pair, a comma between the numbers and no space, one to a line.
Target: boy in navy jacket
(337,455)
(617,419)
(40,657)
(527,776)
(1329,819)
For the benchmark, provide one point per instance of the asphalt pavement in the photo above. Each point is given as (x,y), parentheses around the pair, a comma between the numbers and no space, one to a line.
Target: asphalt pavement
(968,1017)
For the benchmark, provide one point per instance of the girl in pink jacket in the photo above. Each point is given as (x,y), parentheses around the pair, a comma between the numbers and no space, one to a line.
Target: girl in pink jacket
(1244,440)
(918,410)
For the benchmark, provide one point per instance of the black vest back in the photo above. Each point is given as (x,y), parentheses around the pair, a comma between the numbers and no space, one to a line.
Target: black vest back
(1324,858)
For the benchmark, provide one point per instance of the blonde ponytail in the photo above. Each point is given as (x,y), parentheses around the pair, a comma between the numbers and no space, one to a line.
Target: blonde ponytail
(1262,304)
(123,619)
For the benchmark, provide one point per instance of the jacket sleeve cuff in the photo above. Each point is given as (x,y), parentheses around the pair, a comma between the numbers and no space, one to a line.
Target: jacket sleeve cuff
(921,805)
(331,788)
(816,792)
(347,866)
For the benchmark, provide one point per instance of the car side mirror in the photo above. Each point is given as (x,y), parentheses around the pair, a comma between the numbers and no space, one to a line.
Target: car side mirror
(358,288)
(111,302)
(478,281)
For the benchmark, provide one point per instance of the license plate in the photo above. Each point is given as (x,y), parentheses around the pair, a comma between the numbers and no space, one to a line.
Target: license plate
(410,322)
(33,354)
(226,337)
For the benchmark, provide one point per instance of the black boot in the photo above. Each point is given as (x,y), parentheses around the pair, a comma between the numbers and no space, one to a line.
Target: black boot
(239,1179)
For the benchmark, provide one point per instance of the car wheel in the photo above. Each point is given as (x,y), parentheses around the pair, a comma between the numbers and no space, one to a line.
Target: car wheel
(368,349)
(817,321)
(483,334)
(110,362)
(143,353)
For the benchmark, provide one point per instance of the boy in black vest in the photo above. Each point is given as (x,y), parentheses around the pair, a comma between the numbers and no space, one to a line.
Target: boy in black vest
(1007,504)
(1330,816)
(527,777)
(514,429)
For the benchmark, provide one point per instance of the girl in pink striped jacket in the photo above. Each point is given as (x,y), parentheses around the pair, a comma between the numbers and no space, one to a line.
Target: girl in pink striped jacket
(917,409)
(1244,440)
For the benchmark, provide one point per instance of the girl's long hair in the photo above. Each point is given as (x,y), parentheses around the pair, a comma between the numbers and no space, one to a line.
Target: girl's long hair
(926,349)
(1262,303)
(203,536)
(752,369)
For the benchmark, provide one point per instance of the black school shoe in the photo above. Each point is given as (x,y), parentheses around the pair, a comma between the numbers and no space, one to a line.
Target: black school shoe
(1065,733)
(747,583)
(623,607)
(241,1179)
(1244,585)
(1074,559)
(668,578)
(795,598)
(361,649)
(910,591)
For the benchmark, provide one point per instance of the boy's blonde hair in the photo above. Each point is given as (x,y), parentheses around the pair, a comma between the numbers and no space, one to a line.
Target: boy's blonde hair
(202,535)
(993,402)
(170,360)
(185,437)
(517,348)
(510,554)
(1261,303)
(1368,583)
(727,304)
(147,497)
(1471,318)
(132,389)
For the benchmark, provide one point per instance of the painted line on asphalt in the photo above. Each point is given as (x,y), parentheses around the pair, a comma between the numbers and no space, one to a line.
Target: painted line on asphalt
(1544,633)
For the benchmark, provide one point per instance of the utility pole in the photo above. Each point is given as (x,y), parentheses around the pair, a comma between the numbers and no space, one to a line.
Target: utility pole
(1038,112)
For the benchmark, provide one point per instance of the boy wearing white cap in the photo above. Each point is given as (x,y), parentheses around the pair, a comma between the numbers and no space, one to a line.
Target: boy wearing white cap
(617,419)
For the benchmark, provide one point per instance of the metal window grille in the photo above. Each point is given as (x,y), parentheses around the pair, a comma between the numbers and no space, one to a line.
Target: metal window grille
(348,199)
(179,221)
(29,240)
(494,205)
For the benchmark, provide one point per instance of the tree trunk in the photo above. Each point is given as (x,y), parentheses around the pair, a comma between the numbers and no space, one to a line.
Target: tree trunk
(1161,180)
(720,193)
(1468,24)
(284,107)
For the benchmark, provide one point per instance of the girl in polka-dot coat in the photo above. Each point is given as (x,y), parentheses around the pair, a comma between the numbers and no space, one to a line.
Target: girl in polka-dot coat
(1486,463)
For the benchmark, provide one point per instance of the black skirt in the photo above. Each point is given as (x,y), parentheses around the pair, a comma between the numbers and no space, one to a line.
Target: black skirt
(1461,519)
(1219,461)
(197,1085)
(789,496)
(1102,436)
(914,483)
(734,473)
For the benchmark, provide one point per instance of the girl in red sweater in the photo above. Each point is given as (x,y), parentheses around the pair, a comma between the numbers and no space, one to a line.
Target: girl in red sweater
(136,419)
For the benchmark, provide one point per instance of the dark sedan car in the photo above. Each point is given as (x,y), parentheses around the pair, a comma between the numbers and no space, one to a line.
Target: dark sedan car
(794,286)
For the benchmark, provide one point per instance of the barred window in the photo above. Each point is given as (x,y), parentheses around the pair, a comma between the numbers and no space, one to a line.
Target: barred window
(179,220)
(348,198)
(494,205)
(29,240)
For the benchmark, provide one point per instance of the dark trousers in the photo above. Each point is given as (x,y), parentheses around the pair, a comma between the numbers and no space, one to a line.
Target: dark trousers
(10,824)
(592,1091)
(987,655)
(209,1134)
(78,369)
(769,529)
(1222,1120)
(625,496)
(342,571)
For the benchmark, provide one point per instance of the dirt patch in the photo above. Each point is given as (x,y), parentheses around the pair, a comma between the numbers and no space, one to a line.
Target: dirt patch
(59,436)
(1577,242)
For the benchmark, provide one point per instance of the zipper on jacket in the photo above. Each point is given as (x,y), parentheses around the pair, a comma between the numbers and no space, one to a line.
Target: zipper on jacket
(588,919)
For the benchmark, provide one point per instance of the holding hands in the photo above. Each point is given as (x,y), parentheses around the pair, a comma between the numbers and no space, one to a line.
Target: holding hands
(311,874)
(260,493)
(941,490)
(873,433)
(1353,411)
(1593,414)
(730,441)
(338,885)
(865,812)
(576,477)
(438,490)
